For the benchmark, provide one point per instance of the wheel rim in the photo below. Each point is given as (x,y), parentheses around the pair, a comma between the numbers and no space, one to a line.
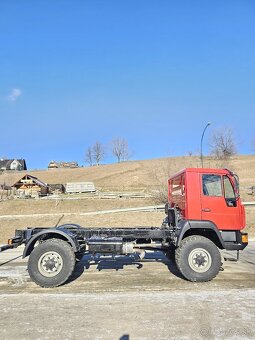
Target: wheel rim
(50,264)
(200,260)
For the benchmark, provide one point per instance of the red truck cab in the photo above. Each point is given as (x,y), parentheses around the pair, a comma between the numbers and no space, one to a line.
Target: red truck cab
(209,199)
(208,194)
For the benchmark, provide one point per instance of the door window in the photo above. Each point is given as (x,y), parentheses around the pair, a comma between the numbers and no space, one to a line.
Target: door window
(212,185)
(229,192)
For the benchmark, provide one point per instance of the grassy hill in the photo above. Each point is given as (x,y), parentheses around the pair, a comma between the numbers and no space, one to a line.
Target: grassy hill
(134,176)
(137,175)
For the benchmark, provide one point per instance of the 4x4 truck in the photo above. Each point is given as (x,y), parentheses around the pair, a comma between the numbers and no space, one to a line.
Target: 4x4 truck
(204,214)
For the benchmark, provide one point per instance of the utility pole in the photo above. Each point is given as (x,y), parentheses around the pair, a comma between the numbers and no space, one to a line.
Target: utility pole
(201,144)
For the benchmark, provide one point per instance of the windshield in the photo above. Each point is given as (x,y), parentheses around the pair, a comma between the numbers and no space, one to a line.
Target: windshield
(236,182)
(229,191)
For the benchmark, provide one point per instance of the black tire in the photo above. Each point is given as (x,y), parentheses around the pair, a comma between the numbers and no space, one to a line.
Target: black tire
(51,263)
(198,258)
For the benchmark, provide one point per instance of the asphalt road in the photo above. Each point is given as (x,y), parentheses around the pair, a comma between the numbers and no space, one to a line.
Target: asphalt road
(124,298)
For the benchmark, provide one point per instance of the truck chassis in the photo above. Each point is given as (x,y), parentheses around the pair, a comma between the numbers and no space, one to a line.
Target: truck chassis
(54,252)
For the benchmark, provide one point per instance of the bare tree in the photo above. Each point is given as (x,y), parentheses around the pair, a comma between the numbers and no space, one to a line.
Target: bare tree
(120,149)
(98,152)
(89,156)
(223,144)
(160,176)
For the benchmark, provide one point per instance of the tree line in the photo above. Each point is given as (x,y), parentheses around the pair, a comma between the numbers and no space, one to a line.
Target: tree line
(223,145)
(96,153)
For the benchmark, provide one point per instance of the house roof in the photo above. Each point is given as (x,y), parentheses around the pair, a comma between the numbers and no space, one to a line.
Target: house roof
(34,179)
(6,163)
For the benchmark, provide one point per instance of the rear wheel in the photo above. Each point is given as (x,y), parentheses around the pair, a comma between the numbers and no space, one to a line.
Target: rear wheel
(198,258)
(51,263)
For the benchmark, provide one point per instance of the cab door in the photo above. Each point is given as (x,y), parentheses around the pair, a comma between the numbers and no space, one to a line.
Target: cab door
(218,202)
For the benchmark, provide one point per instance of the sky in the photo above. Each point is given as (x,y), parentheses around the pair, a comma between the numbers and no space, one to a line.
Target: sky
(151,71)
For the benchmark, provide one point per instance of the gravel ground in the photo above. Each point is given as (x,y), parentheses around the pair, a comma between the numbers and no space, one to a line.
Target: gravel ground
(128,299)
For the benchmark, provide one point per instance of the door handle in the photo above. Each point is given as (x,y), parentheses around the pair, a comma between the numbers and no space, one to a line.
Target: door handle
(206,210)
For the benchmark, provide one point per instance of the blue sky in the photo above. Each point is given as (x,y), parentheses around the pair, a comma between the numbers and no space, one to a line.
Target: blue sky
(153,72)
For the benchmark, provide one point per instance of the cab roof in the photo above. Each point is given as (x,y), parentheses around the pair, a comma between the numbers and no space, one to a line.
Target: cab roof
(202,170)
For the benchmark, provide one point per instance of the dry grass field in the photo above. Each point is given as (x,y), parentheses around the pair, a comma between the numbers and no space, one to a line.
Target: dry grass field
(134,176)
(137,175)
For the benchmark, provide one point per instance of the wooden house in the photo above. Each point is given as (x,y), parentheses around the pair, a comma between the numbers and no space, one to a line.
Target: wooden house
(30,186)
(53,165)
(13,164)
(56,165)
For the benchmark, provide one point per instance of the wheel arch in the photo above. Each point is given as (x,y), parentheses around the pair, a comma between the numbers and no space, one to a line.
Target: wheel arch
(49,234)
(203,228)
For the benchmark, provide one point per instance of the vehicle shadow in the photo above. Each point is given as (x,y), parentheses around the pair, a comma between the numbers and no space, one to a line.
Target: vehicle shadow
(119,262)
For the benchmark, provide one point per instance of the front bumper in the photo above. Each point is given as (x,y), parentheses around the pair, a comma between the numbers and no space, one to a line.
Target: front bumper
(241,243)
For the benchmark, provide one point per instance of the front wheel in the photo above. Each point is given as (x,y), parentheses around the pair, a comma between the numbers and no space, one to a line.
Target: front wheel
(51,263)
(198,258)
